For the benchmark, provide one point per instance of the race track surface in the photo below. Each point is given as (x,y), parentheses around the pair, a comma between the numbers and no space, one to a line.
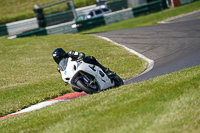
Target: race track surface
(172,46)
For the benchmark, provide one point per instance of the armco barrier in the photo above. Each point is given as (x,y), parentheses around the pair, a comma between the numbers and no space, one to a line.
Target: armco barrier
(155,6)
(3,30)
(133,3)
(147,8)
(58,18)
(118,16)
(58,29)
(22,26)
(61,28)
(38,32)
(90,23)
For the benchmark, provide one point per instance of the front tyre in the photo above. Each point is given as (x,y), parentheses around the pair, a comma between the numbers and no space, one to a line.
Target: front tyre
(76,89)
(87,89)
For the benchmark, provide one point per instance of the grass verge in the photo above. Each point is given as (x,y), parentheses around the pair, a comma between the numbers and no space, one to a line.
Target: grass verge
(29,75)
(166,104)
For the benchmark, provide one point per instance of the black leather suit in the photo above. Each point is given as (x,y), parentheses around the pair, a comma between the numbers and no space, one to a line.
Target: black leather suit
(81,56)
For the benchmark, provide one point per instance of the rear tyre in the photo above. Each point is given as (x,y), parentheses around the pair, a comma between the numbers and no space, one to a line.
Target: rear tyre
(87,89)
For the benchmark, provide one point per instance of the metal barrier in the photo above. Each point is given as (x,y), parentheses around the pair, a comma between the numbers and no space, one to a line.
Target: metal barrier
(132,3)
(118,16)
(58,29)
(147,8)
(3,30)
(62,28)
(90,23)
(38,32)
(22,26)
(58,18)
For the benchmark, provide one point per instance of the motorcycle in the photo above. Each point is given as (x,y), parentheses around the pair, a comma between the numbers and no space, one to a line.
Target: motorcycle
(86,77)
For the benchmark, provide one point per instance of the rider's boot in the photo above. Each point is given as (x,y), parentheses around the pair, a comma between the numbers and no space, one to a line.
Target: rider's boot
(107,71)
(91,59)
(110,73)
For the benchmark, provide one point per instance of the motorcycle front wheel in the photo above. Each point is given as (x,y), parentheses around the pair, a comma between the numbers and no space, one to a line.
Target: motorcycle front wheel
(87,89)
(76,89)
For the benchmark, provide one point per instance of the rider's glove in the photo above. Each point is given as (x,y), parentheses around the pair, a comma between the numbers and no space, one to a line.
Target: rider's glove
(58,68)
(81,56)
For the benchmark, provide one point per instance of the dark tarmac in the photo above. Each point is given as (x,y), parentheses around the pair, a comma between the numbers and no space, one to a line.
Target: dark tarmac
(173,46)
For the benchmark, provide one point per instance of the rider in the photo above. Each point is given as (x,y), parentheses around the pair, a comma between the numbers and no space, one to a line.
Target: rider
(58,54)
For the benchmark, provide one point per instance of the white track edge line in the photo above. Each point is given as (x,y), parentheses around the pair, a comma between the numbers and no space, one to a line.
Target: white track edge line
(39,106)
(179,16)
(150,61)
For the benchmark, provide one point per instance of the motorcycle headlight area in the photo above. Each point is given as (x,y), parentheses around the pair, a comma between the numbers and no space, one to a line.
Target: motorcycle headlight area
(63,64)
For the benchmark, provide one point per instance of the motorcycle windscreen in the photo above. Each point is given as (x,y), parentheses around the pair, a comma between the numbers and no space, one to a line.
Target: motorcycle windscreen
(63,64)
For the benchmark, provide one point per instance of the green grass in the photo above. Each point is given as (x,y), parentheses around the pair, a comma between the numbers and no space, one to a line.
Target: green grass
(147,20)
(29,75)
(166,104)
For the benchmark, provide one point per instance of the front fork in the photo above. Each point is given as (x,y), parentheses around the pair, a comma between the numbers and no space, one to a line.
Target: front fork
(89,81)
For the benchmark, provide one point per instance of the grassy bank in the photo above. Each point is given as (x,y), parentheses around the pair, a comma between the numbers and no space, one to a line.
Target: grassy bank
(166,104)
(29,75)
(148,20)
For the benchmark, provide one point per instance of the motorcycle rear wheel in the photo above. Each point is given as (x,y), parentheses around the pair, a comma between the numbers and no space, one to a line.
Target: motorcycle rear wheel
(86,88)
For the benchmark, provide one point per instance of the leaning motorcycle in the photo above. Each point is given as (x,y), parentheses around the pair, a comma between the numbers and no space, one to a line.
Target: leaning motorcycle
(86,77)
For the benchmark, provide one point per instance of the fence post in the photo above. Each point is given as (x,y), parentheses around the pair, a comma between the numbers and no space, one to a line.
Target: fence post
(73,9)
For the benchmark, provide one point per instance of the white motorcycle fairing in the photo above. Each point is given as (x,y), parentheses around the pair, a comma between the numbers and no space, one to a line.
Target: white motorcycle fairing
(71,71)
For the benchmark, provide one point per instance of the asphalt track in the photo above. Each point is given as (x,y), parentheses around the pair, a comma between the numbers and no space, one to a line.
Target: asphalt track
(172,47)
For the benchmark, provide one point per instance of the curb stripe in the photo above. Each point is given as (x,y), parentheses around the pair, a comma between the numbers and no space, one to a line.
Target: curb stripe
(64,98)
(70,96)
(8,116)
